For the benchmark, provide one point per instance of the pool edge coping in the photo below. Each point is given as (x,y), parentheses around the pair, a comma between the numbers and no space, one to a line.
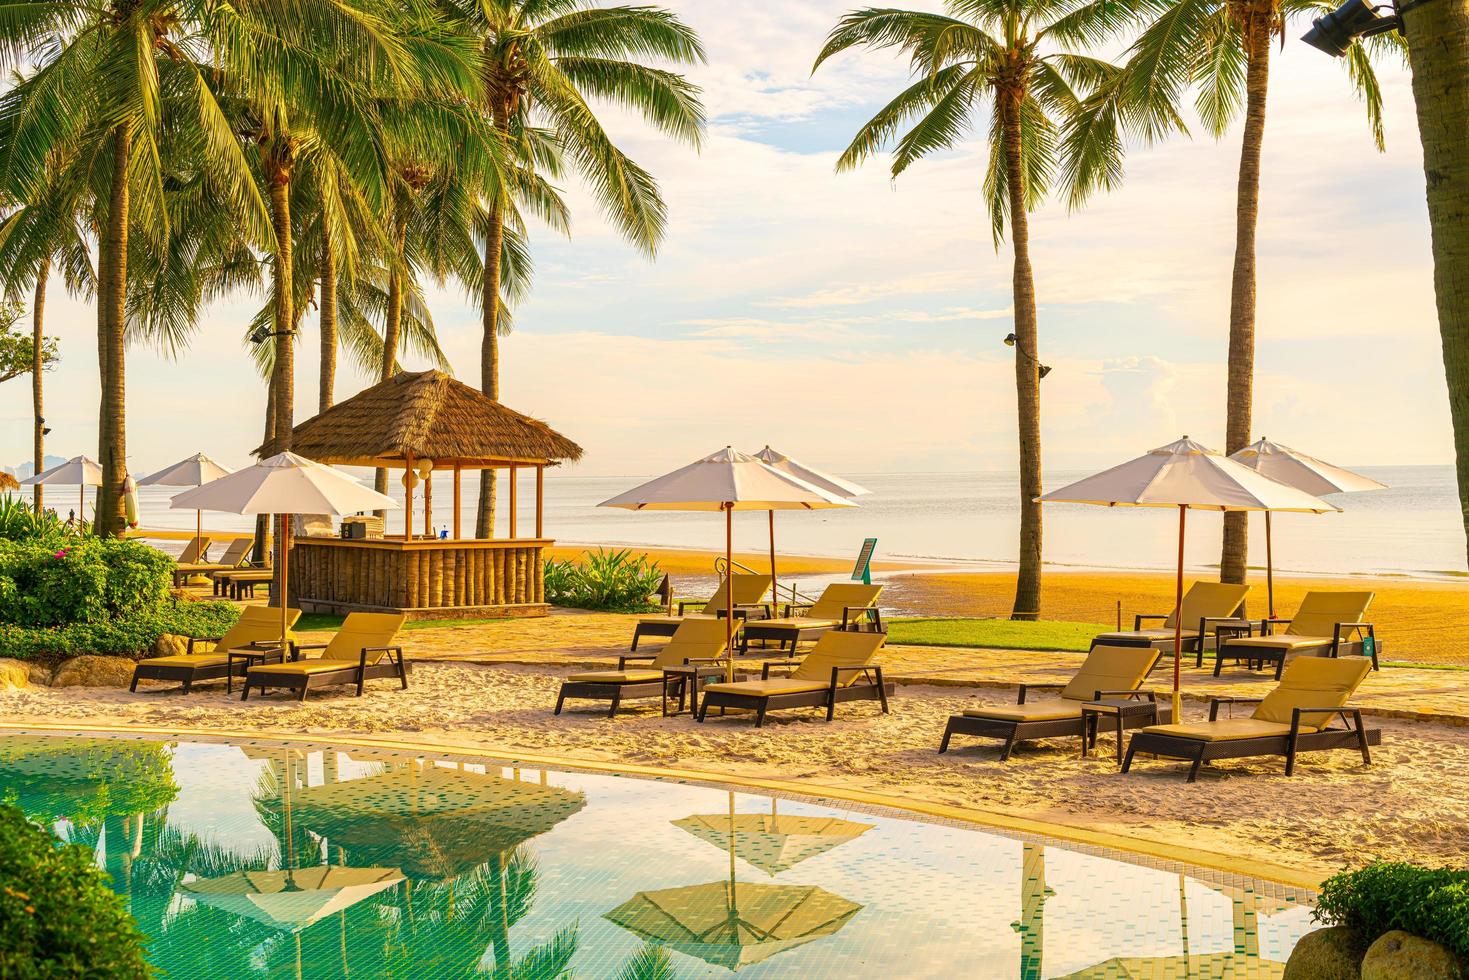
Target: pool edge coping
(1212,860)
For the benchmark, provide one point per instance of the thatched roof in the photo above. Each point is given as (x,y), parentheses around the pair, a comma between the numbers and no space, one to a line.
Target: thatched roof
(427,415)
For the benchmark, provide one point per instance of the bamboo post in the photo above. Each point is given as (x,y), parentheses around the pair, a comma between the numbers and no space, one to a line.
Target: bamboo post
(458,473)
(408,497)
(428,505)
(540,502)
(513,516)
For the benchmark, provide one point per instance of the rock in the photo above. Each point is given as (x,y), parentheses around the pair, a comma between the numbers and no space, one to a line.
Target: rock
(169,645)
(1401,956)
(1332,953)
(40,674)
(94,671)
(13,674)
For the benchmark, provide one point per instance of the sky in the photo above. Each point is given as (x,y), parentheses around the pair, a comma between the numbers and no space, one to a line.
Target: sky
(856,322)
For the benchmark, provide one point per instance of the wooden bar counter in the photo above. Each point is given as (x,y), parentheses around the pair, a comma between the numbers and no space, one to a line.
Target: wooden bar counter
(424,578)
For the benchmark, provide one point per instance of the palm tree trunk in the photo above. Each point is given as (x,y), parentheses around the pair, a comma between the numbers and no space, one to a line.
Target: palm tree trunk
(1258,21)
(283,373)
(1438,51)
(38,348)
(111,322)
(489,357)
(392,334)
(262,522)
(1027,369)
(326,386)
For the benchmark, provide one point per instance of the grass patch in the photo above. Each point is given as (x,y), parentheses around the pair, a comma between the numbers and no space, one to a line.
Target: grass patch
(310,622)
(1002,634)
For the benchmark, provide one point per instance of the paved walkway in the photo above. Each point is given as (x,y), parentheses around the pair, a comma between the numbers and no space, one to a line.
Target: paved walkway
(579,640)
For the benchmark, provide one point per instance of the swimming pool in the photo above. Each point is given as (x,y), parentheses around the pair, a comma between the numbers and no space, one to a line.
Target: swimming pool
(286,859)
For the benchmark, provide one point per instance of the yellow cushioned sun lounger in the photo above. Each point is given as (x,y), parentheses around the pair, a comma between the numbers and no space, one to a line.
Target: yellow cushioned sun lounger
(1107,672)
(839,667)
(1324,626)
(1296,717)
(364,648)
(690,655)
(842,604)
(208,657)
(749,594)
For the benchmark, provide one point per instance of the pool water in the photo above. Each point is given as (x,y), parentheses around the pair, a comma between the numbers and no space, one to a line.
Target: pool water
(275,859)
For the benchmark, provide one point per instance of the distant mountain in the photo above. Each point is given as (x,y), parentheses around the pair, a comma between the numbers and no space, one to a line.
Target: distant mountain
(28,468)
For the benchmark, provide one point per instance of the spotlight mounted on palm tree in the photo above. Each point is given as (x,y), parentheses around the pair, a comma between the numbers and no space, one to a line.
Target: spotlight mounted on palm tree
(1041,370)
(263,333)
(1336,32)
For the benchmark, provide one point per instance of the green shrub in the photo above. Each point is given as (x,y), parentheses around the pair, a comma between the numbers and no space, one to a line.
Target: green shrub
(1429,902)
(82,580)
(618,581)
(130,635)
(57,917)
(18,522)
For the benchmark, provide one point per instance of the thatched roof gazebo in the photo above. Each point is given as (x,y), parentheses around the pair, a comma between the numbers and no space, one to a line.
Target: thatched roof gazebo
(427,423)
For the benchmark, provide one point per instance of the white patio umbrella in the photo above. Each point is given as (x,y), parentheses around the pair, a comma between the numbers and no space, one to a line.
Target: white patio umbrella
(79,471)
(195,471)
(834,485)
(1185,475)
(282,485)
(727,481)
(1284,465)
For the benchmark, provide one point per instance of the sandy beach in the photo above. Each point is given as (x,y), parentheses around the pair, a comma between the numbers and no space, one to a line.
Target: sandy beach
(1328,816)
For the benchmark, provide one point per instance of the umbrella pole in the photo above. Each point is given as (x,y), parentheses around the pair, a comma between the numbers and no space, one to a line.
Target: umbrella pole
(199,530)
(1269,570)
(1178,620)
(285,561)
(729,591)
(774,582)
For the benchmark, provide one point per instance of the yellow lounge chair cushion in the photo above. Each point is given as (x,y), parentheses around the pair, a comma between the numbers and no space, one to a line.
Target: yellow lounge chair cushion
(1313,682)
(1225,730)
(304,667)
(1283,641)
(618,676)
(1321,611)
(1152,636)
(1208,599)
(1036,711)
(671,620)
(838,596)
(837,648)
(798,623)
(187,660)
(1108,668)
(765,689)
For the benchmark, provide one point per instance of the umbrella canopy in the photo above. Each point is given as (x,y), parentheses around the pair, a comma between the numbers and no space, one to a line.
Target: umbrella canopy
(726,480)
(194,471)
(435,823)
(1284,465)
(1184,475)
(734,925)
(291,900)
(771,842)
(77,471)
(833,485)
(284,484)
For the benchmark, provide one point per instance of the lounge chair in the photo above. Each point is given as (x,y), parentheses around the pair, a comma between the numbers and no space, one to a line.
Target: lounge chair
(1293,718)
(842,605)
(1328,624)
(1203,603)
(195,551)
(240,583)
(698,642)
(257,627)
(234,556)
(1107,672)
(749,594)
(362,649)
(838,668)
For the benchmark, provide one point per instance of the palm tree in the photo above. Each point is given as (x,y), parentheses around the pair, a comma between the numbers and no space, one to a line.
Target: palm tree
(1439,55)
(1019,58)
(108,76)
(542,60)
(1222,48)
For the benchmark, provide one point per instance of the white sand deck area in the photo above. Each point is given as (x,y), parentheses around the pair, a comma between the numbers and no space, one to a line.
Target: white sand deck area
(492,687)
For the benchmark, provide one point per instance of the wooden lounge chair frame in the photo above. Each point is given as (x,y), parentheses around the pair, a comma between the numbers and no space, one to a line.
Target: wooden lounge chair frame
(1013,731)
(614,692)
(393,664)
(187,675)
(184,570)
(1255,658)
(742,611)
(828,697)
(1199,751)
(853,618)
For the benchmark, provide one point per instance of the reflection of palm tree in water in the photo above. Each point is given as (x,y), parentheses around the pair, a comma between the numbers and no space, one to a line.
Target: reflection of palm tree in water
(1031,924)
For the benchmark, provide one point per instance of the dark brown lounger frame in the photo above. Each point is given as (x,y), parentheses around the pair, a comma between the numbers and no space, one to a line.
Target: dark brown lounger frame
(668,629)
(394,664)
(1253,656)
(1198,751)
(187,675)
(1024,731)
(853,618)
(1190,644)
(618,691)
(875,689)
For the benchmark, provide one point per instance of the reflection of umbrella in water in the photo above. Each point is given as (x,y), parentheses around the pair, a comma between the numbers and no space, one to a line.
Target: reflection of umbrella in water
(771,841)
(431,821)
(732,924)
(294,899)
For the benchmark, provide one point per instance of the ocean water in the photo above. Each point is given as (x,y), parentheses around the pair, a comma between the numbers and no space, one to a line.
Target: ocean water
(1412,528)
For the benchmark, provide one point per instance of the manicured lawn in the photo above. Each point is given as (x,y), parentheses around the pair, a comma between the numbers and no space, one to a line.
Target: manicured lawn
(1003,634)
(321,621)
